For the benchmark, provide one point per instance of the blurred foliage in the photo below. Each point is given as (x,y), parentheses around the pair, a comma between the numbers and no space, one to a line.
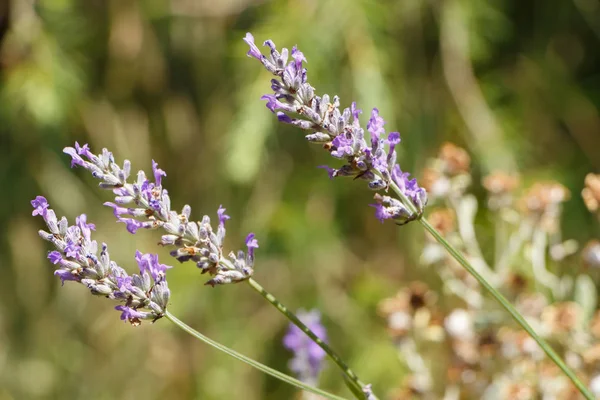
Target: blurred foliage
(516,83)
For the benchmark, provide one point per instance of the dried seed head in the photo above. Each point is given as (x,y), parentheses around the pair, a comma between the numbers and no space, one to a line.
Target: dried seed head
(544,195)
(443,220)
(562,317)
(455,159)
(591,254)
(591,192)
(500,182)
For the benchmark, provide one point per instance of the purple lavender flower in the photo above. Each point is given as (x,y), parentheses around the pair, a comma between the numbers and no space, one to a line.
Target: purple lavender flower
(149,263)
(40,205)
(143,204)
(76,258)
(308,356)
(252,244)
(339,131)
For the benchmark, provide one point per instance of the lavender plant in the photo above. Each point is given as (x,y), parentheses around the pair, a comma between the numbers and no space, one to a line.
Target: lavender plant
(143,297)
(294,102)
(145,204)
(149,207)
(308,356)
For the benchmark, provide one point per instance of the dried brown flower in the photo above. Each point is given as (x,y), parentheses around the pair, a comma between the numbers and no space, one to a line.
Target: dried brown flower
(516,282)
(429,178)
(519,391)
(591,192)
(443,220)
(562,317)
(543,195)
(400,309)
(456,160)
(499,182)
(591,254)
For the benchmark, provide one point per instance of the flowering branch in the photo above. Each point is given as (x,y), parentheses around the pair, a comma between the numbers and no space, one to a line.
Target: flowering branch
(145,296)
(150,208)
(339,132)
(294,102)
(194,241)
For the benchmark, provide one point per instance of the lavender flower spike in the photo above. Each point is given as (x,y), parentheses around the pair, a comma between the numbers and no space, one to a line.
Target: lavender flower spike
(308,356)
(339,131)
(145,296)
(146,204)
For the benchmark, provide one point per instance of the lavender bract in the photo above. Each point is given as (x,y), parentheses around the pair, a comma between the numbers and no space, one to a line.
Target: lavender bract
(145,296)
(146,204)
(308,356)
(294,101)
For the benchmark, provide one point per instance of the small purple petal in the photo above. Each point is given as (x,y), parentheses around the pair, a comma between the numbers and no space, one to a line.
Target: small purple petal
(298,58)
(131,315)
(222,216)
(72,250)
(40,205)
(86,228)
(330,171)
(272,103)
(132,224)
(55,257)
(117,210)
(75,158)
(355,111)
(375,127)
(149,263)
(252,244)
(66,275)
(270,43)
(84,150)
(254,51)
(381,212)
(393,138)
(158,173)
(124,283)
(282,117)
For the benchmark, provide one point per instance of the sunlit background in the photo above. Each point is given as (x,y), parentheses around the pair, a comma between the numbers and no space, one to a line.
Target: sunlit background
(515,83)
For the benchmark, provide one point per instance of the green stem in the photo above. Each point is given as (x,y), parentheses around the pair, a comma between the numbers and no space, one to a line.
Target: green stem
(261,367)
(508,307)
(352,378)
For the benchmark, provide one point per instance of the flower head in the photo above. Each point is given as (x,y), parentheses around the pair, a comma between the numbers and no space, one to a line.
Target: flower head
(308,356)
(340,132)
(76,259)
(40,205)
(143,204)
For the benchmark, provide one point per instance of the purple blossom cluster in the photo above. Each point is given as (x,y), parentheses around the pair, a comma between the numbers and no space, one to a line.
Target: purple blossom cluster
(339,131)
(308,356)
(144,296)
(146,204)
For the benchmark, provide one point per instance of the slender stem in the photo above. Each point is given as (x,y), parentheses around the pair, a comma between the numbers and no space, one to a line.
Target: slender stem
(294,319)
(261,367)
(508,307)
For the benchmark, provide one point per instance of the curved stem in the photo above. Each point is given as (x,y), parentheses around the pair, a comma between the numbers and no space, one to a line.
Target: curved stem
(353,379)
(261,367)
(508,307)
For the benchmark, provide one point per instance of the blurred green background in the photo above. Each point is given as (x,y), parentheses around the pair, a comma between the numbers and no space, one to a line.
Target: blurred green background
(516,83)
